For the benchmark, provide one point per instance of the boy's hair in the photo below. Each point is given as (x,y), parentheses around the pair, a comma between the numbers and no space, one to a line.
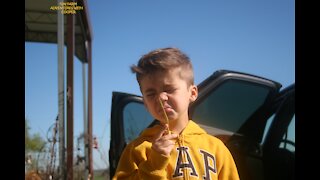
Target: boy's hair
(164,59)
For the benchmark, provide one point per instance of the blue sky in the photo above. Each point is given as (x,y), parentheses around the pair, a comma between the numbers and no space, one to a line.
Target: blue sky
(252,36)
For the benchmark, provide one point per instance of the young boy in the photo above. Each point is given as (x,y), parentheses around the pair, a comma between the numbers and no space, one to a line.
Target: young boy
(176,148)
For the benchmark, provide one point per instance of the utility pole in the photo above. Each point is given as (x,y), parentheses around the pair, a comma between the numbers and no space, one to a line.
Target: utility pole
(70,57)
(61,93)
(85,122)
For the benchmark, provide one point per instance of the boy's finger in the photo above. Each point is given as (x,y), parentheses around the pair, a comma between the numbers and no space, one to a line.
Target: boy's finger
(160,133)
(170,136)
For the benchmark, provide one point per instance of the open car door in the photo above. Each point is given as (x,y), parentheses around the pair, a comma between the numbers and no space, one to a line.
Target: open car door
(232,106)
(128,118)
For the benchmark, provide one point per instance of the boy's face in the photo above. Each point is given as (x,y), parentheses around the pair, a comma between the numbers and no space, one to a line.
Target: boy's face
(173,91)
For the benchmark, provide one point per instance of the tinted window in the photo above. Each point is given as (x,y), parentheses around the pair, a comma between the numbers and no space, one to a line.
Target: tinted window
(135,119)
(228,106)
(267,127)
(289,136)
(288,139)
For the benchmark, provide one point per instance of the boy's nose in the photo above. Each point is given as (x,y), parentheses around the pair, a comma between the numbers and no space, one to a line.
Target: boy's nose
(163,96)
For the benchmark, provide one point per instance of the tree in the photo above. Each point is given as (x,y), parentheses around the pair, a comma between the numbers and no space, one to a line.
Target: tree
(34,146)
(34,142)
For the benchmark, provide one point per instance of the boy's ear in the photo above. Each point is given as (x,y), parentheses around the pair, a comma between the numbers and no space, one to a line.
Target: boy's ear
(194,93)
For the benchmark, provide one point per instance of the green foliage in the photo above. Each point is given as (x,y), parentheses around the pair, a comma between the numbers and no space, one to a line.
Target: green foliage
(33,143)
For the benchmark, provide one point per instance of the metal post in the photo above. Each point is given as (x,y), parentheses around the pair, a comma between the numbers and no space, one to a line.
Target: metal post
(85,120)
(70,56)
(61,92)
(90,107)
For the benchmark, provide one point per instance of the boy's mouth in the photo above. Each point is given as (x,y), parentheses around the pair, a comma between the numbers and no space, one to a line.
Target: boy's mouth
(166,112)
(165,109)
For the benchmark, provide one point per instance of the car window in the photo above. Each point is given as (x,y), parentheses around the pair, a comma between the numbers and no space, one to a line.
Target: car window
(279,146)
(269,121)
(290,135)
(135,119)
(288,139)
(229,106)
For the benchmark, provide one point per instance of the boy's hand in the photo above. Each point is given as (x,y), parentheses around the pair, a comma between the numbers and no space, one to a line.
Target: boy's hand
(163,141)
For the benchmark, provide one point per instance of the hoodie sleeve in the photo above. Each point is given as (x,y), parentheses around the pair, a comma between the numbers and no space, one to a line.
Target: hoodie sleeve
(141,162)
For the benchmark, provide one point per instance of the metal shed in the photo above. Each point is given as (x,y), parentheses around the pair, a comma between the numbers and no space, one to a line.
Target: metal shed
(66,23)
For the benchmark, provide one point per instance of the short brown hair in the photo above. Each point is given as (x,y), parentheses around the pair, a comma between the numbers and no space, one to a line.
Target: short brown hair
(163,59)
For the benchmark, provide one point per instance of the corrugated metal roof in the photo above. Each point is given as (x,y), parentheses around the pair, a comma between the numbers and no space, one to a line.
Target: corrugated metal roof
(41,24)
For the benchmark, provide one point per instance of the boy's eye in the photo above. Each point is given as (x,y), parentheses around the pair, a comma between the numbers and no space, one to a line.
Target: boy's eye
(150,94)
(170,90)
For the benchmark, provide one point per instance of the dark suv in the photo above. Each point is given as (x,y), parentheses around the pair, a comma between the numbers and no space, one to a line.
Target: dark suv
(248,113)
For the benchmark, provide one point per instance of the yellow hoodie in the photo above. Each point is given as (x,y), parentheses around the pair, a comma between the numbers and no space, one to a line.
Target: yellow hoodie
(196,155)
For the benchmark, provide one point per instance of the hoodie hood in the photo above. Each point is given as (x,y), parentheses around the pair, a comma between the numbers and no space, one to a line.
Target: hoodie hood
(193,129)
